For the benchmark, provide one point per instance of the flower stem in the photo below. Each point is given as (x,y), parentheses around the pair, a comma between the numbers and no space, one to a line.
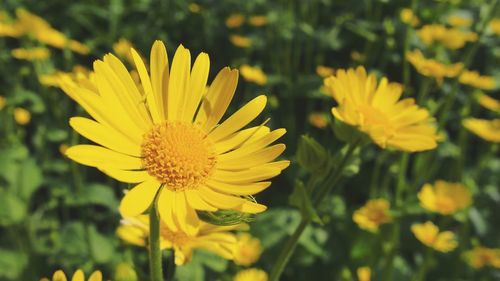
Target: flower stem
(154,245)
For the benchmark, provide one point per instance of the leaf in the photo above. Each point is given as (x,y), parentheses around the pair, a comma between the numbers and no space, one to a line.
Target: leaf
(101,247)
(192,271)
(12,209)
(301,199)
(30,179)
(211,261)
(12,264)
(273,225)
(97,194)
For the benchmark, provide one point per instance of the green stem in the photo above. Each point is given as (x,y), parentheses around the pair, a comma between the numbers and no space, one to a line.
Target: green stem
(424,268)
(401,183)
(154,245)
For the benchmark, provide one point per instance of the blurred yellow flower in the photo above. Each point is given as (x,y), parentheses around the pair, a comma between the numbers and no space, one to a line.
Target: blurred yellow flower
(170,142)
(53,79)
(235,20)
(428,233)
(474,79)
(451,38)
(374,213)
(444,197)
(495,26)
(3,102)
(364,273)
(480,257)
(258,20)
(324,71)
(194,8)
(217,239)
(122,49)
(247,250)
(240,41)
(253,74)
(22,116)
(407,16)
(488,102)
(252,274)
(318,120)
(377,111)
(486,129)
(32,54)
(433,68)
(459,21)
(77,276)
(11,30)
(357,56)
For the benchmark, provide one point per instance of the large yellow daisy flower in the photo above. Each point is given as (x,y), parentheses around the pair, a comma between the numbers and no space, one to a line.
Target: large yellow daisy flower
(377,111)
(166,137)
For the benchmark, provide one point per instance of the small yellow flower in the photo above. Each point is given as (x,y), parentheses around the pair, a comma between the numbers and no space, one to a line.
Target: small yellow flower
(433,68)
(377,111)
(364,273)
(240,41)
(357,56)
(480,257)
(428,233)
(444,197)
(122,49)
(474,79)
(318,120)
(374,213)
(53,79)
(488,102)
(194,8)
(258,20)
(32,54)
(11,30)
(407,16)
(22,116)
(495,26)
(252,274)
(451,38)
(253,74)
(77,276)
(3,102)
(324,71)
(247,250)
(486,129)
(235,20)
(459,21)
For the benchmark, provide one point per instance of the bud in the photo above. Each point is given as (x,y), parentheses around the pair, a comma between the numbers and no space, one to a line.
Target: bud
(311,155)
(125,272)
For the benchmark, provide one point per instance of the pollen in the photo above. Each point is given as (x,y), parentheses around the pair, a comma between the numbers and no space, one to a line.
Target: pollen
(178,154)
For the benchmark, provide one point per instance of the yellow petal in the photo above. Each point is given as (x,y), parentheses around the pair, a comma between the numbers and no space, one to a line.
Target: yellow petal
(252,207)
(197,203)
(262,156)
(238,189)
(139,198)
(78,276)
(166,202)
(159,75)
(254,145)
(245,176)
(124,175)
(197,84)
(59,276)
(178,84)
(97,156)
(96,276)
(239,138)
(219,200)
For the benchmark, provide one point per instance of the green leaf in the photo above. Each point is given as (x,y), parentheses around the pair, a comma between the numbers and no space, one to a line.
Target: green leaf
(30,180)
(101,247)
(97,194)
(212,261)
(12,209)
(301,199)
(192,271)
(12,264)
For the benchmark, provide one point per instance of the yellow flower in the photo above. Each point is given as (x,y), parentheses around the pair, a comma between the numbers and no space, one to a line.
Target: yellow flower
(3,102)
(252,274)
(433,68)
(488,102)
(122,49)
(459,21)
(428,233)
(364,273)
(240,41)
(168,138)
(32,54)
(407,16)
(247,250)
(357,56)
(486,129)
(235,20)
(216,239)
(77,276)
(52,80)
(474,79)
(374,213)
(495,26)
(480,257)
(194,8)
(444,197)
(11,30)
(22,116)
(253,74)
(451,38)
(376,111)
(324,71)
(318,120)
(258,20)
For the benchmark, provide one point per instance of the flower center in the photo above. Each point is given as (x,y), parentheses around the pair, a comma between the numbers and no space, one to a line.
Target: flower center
(178,154)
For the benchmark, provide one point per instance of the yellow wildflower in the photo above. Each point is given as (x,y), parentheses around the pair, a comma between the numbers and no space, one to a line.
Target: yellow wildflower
(488,102)
(451,38)
(11,30)
(459,21)
(235,20)
(247,250)
(444,197)
(32,54)
(253,74)
(495,26)
(240,41)
(374,213)
(486,129)
(22,116)
(122,49)
(407,16)
(433,68)
(252,274)
(258,20)
(474,79)
(324,71)
(428,233)
(377,111)
(364,273)
(480,257)
(77,276)
(53,79)
(194,8)
(318,120)
(3,102)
